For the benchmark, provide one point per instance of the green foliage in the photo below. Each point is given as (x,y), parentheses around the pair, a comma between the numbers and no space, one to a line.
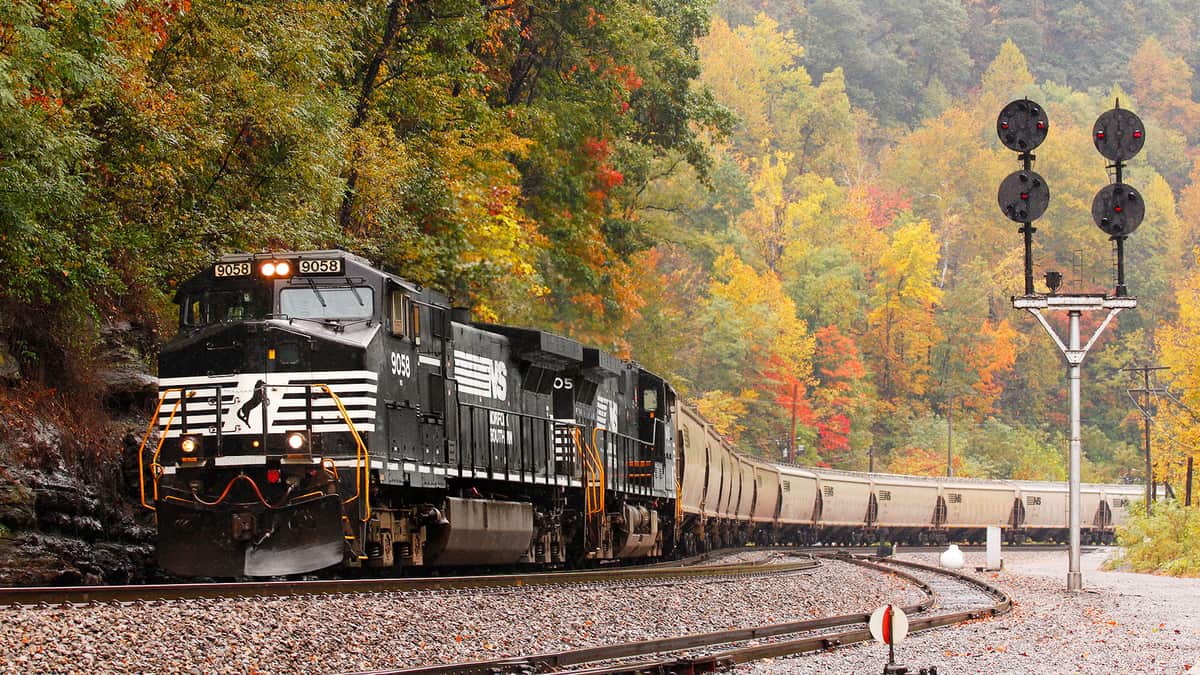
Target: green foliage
(495,152)
(1163,541)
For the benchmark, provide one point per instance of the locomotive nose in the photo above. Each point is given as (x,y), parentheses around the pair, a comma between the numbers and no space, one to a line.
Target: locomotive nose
(226,542)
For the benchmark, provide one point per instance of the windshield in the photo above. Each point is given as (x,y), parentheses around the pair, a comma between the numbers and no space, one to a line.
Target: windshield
(220,306)
(324,302)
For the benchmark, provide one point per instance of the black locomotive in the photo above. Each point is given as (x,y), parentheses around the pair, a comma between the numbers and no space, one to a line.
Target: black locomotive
(316,411)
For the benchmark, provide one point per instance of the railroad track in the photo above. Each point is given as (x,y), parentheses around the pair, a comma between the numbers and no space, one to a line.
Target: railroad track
(77,595)
(720,650)
(53,595)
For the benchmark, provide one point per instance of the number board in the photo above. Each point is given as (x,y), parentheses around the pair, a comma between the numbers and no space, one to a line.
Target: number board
(233,269)
(320,266)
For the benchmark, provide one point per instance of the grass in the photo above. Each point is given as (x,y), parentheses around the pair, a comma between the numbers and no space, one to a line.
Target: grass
(1166,541)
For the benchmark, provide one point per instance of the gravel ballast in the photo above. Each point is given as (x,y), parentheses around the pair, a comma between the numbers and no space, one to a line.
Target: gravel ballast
(1120,623)
(339,634)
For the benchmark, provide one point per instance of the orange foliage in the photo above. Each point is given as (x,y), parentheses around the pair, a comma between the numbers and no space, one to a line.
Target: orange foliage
(992,354)
(922,462)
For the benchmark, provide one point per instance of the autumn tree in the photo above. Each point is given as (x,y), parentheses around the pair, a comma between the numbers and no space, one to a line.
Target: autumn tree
(1177,425)
(1162,85)
(903,330)
(753,341)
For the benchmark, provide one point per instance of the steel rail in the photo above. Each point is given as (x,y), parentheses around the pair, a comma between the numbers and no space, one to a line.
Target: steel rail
(555,661)
(731,657)
(55,595)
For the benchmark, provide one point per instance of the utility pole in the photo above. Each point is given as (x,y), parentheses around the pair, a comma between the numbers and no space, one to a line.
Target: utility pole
(950,438)
(1147,418)
(792,441)
(1187,491)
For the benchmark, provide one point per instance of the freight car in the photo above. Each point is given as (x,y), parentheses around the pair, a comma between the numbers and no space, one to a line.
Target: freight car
(318,412)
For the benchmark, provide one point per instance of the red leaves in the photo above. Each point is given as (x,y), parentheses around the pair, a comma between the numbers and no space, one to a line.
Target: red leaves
(596,148)
(834,434)
(39,98)
(609,177)
(885,204)
(606,177)
(156,16)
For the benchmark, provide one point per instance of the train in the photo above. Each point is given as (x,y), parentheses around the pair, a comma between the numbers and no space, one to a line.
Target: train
(316,412)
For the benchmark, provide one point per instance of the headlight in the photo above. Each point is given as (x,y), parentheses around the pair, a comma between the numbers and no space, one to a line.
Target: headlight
(275,268)
(295,441)
(189,444)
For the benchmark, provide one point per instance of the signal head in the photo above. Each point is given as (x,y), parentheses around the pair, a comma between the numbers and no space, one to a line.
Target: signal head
(1024,196)
(1022,125)
(1119,134)
(1118,209)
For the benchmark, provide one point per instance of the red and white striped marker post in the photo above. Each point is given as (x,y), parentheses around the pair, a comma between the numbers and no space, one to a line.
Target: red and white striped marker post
(889,625)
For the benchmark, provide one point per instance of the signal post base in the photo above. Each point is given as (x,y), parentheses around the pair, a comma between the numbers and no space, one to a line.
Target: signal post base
(1074,581)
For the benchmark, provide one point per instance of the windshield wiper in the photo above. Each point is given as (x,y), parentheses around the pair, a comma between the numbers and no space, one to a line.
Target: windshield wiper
(316,291)
(355,292)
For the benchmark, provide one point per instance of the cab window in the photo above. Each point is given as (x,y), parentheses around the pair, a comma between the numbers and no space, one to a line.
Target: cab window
(650,400)
(325,302)
(402,315)
(225,305)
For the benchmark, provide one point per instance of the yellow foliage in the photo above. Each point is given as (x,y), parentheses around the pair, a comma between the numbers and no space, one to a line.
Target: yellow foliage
(1177,424)
(724,410)
(759,304)
(903,329)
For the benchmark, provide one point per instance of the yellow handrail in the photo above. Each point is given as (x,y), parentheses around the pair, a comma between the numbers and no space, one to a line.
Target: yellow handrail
(593,503)
(599,460)
(149,430)
(362,476)
(678,504)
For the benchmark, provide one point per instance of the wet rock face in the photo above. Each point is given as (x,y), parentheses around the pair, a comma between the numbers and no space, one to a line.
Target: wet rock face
(126,377)
(69,510)
(9,370)
(56,529)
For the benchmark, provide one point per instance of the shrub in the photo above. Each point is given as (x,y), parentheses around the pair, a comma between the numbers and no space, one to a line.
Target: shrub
(1165,541)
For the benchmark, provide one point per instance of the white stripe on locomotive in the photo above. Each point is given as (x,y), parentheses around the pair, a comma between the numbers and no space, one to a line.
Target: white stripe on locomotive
(242,407)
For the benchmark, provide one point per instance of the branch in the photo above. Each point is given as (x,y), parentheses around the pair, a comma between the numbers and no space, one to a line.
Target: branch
(224,168)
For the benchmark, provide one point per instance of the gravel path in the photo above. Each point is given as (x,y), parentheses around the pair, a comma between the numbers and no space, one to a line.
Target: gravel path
(338,634)
(1121,623)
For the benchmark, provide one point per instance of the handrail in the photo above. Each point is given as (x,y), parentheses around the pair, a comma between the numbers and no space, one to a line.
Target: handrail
(593,494)
(678,503)
(598,458)
(146,438)
(362,476)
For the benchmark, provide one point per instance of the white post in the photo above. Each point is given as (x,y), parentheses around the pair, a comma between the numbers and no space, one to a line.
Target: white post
(993,547)
(1074,576)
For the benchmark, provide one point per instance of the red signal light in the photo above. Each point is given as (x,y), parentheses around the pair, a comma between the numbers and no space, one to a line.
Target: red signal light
(1004,125)
(1041,124)
(1117,209)
(1137,133)
(1025,196)
(272,475)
